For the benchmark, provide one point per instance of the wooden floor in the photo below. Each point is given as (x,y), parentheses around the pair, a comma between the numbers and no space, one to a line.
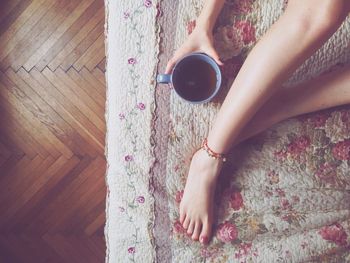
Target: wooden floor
(52,131)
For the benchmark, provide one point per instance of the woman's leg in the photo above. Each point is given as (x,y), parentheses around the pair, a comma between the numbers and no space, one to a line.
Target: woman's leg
(325,91)
(298,33)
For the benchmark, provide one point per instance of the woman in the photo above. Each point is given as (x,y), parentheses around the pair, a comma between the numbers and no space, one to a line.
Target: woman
(244,111)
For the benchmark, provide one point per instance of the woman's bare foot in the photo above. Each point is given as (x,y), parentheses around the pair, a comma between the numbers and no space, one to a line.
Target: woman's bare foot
(196,207)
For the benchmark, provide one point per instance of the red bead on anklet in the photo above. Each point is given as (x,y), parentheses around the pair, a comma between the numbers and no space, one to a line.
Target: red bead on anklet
(210,152)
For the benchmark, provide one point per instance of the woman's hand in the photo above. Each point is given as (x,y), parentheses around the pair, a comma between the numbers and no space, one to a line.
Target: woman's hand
(198,41)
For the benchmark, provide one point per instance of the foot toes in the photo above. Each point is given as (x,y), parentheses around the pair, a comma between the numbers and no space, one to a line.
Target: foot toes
(191,227)
(182,217)
(186,222)
(197,231)
(205,233)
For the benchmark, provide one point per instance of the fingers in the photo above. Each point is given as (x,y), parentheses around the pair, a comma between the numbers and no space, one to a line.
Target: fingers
(172,61)
(181,52)
(170,65)
(212,52)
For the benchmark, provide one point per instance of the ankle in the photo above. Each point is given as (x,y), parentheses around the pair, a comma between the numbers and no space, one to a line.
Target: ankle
(211,153)
(213,166)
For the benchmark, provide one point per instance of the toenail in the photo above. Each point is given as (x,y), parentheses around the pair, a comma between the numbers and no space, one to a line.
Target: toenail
(204,239)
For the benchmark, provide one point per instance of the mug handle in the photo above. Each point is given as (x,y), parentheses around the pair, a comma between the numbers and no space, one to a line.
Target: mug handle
(163,78)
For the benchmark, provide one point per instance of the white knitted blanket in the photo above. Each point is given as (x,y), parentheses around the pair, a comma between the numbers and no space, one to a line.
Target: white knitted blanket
(285,194)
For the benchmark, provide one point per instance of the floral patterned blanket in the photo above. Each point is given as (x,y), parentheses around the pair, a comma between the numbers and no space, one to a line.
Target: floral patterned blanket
(283,196)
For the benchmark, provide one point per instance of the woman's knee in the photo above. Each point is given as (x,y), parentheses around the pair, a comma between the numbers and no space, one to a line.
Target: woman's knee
(316,15)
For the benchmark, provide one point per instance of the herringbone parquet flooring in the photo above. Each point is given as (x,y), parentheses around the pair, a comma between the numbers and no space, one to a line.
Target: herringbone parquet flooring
(52,131)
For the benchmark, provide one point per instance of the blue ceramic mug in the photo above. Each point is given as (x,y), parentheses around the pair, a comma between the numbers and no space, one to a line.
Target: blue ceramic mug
(196,78)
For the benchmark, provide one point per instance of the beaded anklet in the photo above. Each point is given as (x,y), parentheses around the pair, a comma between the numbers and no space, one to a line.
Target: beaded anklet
(210,152)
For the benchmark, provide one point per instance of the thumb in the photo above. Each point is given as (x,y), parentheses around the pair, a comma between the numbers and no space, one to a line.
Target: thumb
(180,53)
(170,65)
(212,52)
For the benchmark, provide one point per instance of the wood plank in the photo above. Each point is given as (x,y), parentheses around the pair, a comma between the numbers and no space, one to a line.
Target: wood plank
(30,110)
(69,36)
(13,166)
(97,21)
(18,139)
(32,127)
(102,65)
(63,202)
(58,175)
(83,46)
(91,243)
(4,151)
(38,35)
(22,126)
(6,7)
(80,142)
(81,95)
(47,115)
(37,245)
(87,87)
(21,137)
(60,82)
(3,159)
(99,75)
(95,82)
(96,224)
(18,31)
(52,163)
(100,245)
(20,190)
(85,255)
(57,34)
(60,127)
(77,208)
(96,257)
(10,144)
(97,59)
(69,111)
(9,250)
(91,52)
(14,14)
(61,247)
(48,187)
(88,213)
(100,232)
(92,214)
(25,168)
(10,162)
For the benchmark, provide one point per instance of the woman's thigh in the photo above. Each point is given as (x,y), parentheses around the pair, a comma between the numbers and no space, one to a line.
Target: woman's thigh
(321,11)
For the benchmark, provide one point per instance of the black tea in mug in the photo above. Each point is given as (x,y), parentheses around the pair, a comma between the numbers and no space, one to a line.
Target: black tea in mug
(195,79)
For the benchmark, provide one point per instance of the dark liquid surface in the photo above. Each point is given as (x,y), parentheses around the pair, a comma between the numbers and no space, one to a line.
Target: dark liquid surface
(195,79)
